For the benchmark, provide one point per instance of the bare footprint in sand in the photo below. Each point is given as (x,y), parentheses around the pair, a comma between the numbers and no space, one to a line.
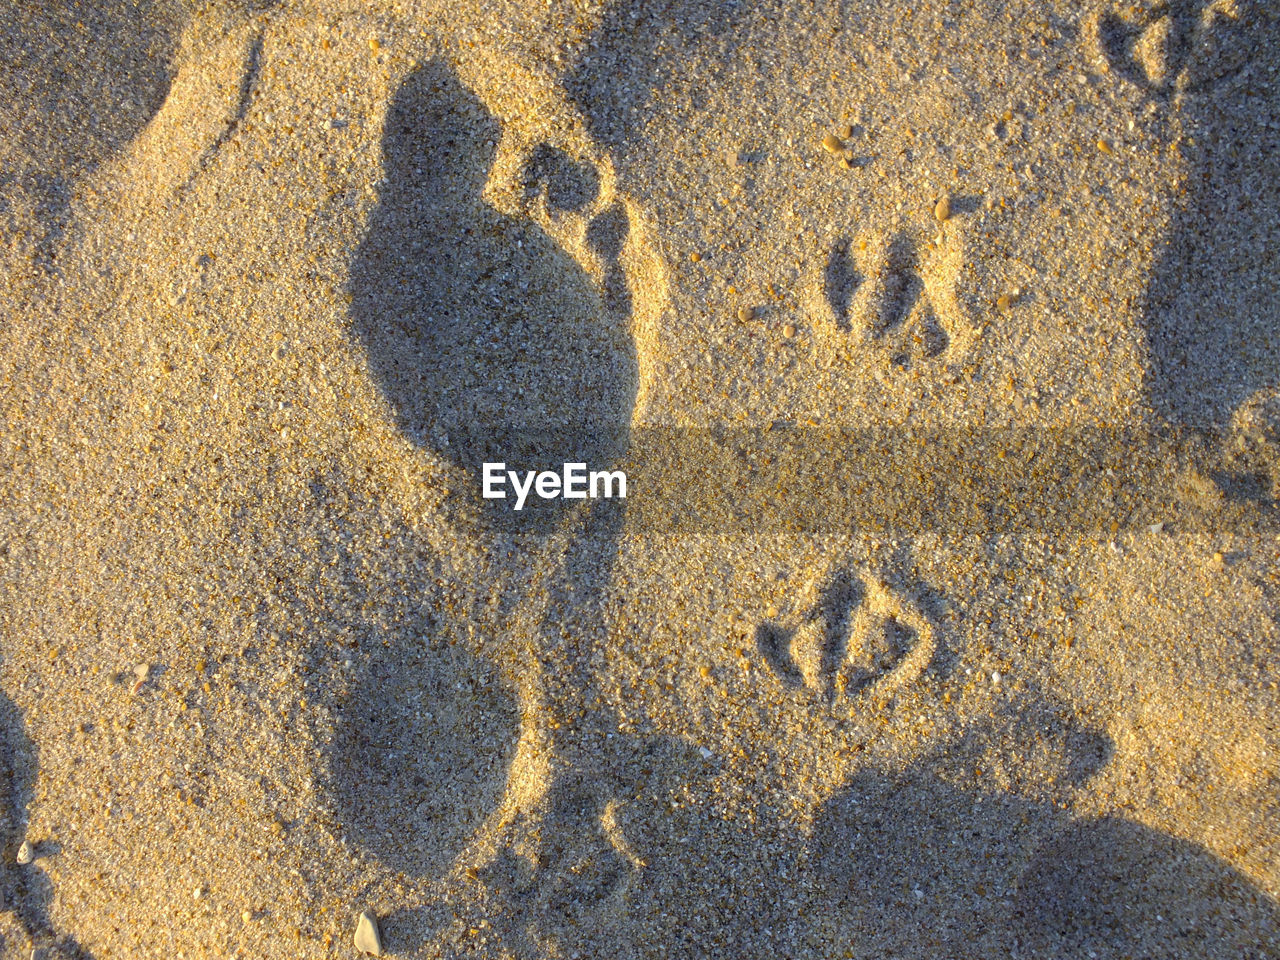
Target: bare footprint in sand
(488,337)
(496,330)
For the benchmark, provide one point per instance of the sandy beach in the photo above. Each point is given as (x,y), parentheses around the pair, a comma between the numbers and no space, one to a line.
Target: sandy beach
(939,346)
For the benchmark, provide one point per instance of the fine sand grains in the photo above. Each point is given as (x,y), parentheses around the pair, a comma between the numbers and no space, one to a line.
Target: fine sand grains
(894,648)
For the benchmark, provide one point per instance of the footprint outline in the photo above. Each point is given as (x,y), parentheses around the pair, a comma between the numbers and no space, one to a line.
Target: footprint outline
(899,294)
(832,648)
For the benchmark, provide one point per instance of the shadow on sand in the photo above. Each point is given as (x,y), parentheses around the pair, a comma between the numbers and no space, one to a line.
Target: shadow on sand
(631,857)
(1213,325)
(25,889)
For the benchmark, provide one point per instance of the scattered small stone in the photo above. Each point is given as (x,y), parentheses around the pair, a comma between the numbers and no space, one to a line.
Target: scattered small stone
(846,163)
(1004,302)
(943,210)
(197,893)
(995,677)
(789,330)
(746,314)
(846,131)
(1104,147)
(695,257)
(374,44)
(706,754)
(26,853)
(368,939)
(832,144)
(1157,527)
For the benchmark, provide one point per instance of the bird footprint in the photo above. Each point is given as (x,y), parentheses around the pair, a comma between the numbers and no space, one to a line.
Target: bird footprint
(899,292)
(857,636)
(1179,46)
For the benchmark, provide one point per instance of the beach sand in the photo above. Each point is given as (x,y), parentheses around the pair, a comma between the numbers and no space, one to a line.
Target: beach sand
(940,345)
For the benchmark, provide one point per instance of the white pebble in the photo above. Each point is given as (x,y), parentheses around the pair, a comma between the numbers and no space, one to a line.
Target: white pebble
(995,677)
(368,938)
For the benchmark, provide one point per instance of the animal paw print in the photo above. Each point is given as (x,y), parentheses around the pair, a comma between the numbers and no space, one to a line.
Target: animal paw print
(856,637)
(1179,46)
(900,292)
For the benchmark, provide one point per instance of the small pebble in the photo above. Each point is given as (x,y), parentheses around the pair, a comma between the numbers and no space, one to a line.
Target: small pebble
(746,314)
(846,131)
(789,330)
(374,45)
(943,210)
(368,939)
(1004,302)
(995,677)
(706,754)
(26,853)
(1104,147)
(696,257)
(198,892)
(832,144)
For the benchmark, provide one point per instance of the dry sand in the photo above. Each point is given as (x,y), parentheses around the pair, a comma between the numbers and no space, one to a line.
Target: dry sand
(851,672)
